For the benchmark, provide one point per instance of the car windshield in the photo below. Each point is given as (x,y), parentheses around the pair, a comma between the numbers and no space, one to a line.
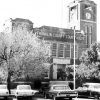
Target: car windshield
(3,86)
(85,86)
(24,87)
(61,87)
(96,86)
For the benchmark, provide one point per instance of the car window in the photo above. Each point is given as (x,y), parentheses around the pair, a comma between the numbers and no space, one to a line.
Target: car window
(85,86)
(24,87)
(3,86)
(97,86)
(61,87)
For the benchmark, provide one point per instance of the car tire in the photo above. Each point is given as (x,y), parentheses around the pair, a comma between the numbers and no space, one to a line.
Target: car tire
(59,98)
(54,98)
(70,98)
(6,98)
(47,96)
(96,97)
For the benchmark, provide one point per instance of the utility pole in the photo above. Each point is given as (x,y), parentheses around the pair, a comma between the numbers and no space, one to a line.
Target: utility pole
(74,57)
(82,32)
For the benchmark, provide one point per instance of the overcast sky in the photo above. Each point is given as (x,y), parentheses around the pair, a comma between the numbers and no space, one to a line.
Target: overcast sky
(40,12)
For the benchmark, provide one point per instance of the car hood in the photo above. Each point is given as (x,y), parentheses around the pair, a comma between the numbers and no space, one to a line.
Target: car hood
(82,89)
(27,91)
(3,90)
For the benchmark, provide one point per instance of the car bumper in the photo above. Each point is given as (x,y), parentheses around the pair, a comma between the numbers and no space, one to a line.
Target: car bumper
(67,95)
(2,97)
(23,95)
(87,94)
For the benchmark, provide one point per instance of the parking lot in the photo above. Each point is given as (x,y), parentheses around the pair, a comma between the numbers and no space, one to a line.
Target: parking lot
(59,91)
(41,98)
(65,99)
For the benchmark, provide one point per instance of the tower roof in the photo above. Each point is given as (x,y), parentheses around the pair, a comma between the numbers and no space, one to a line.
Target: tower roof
(82,1)
(87,1)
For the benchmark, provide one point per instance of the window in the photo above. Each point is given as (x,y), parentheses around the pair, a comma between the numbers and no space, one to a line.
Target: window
(54,49)
(86,29)
(61,50)
(46,75)
(90,33)
(94,13)
(90,29)
(67,50)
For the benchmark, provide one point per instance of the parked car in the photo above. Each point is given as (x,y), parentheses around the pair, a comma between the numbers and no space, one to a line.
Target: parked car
(4,93)
(90,90)
(24,91)
(58,90)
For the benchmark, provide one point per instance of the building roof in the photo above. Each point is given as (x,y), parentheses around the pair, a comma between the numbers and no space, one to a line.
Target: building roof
(58,34)
(56,30)
(22,20)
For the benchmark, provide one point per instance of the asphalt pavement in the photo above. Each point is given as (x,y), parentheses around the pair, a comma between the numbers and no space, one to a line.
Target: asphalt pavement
(65,99)
(39,98)
(83,99)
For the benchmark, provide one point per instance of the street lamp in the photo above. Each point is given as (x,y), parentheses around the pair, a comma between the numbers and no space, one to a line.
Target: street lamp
(74,57)
(82,32)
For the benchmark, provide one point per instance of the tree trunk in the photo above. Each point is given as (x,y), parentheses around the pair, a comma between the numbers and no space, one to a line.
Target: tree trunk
(9,82)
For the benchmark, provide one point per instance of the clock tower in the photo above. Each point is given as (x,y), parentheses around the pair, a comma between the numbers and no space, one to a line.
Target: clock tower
(82,15)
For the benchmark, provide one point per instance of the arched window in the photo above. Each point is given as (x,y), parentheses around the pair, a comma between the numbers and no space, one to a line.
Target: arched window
(54,49)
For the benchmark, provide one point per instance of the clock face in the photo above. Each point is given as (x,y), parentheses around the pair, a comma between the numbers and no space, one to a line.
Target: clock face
(88,15)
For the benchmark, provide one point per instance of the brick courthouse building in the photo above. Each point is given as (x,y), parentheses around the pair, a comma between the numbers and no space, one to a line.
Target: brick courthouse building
(82,15)
(61,45)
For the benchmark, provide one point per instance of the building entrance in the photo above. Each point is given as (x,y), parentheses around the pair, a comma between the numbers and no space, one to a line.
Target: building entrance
(61,72)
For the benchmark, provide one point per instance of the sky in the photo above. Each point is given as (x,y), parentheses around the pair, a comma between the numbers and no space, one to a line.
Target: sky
(40,12)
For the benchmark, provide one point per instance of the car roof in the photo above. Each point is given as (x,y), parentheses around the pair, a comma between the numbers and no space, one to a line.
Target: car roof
(91,84)
(23,85)
(58,85)
(58,82)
